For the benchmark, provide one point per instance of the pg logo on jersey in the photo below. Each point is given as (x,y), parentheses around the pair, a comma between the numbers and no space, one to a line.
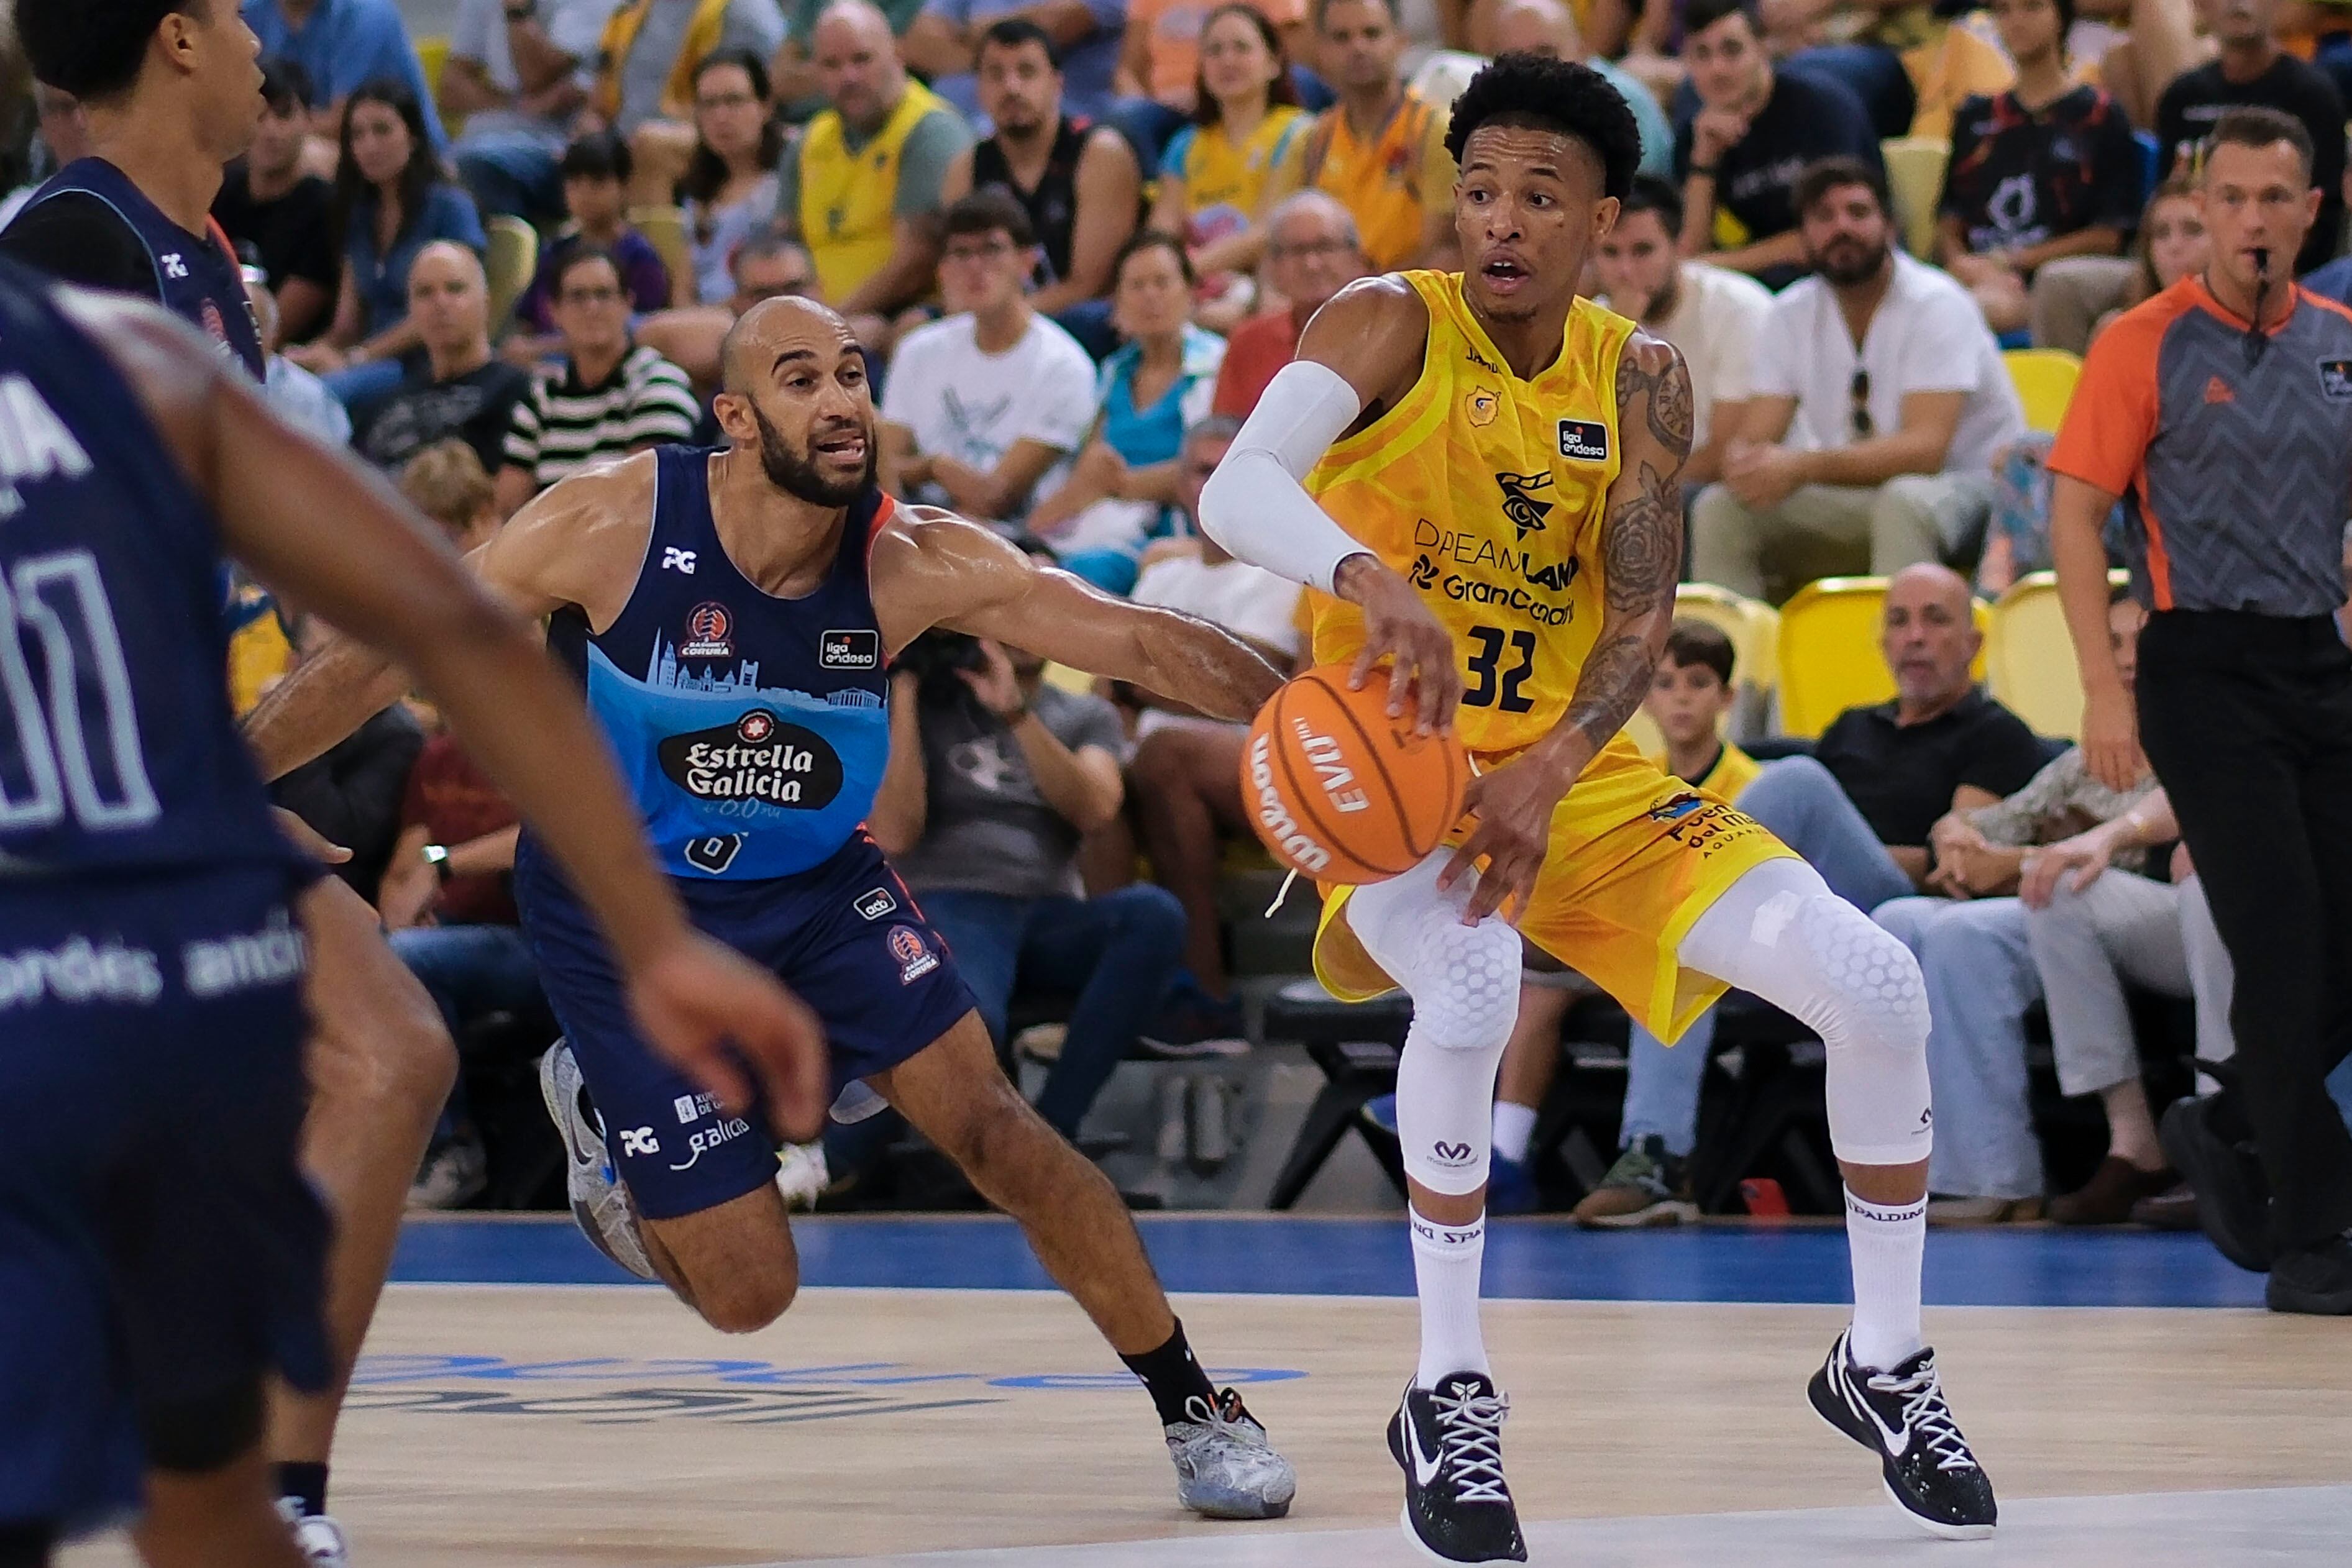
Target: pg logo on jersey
(1584,440)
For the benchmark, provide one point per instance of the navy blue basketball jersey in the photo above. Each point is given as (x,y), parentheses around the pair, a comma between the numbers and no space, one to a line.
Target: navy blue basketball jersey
(196,275)
(117,749)
(751,729)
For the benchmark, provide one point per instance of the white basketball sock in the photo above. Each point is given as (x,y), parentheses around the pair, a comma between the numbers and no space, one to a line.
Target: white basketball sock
(1885,1245)
(1515,1126)
(1445,1267)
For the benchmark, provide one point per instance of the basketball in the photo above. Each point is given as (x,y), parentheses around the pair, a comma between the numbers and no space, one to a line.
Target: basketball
(1341,792)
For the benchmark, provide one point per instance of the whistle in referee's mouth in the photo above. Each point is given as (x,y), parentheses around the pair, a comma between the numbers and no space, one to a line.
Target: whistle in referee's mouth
(2262,263)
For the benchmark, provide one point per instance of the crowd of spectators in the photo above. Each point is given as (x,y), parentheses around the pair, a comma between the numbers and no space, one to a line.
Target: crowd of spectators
(1077,239)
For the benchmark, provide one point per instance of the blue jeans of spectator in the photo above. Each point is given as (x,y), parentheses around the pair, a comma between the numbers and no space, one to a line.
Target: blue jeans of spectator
(1806,809)
(1115,954)
(356,384)
(512,171)
(470,972)
(1978,961)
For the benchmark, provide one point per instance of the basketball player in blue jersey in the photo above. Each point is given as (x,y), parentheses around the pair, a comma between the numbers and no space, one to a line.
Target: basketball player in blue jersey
(172,91)
(160,1250)
(734,615)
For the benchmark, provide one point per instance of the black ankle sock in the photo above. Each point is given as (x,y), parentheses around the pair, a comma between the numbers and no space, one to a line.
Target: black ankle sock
(1173,1377)
(306,1483)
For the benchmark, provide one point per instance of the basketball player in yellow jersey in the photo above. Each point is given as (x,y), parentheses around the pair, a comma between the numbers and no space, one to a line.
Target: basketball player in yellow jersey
(1479,474)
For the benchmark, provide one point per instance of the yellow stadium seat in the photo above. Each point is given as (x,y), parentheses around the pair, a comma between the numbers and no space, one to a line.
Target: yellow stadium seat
(514,257)
(433,53)
(2031,658)
(2044,379)
(1753,627)
(1830,660)
(1069,680)
(1914,177)
(666,228)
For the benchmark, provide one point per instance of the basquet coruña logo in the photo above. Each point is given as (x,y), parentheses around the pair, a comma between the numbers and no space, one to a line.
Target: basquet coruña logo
(707,629)
(759,757)
(915,957)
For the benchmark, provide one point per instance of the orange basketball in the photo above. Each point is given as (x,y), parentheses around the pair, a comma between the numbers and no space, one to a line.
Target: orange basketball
(1341,792)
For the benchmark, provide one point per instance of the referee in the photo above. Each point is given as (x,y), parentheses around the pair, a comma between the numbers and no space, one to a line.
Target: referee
(2221,413)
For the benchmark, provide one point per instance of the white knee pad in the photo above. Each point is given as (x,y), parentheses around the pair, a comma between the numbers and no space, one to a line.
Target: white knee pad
(1872,1015)
(1780,933)
(1465,985)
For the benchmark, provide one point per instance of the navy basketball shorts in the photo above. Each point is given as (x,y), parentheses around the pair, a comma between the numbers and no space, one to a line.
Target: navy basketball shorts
(160,1248)
(846,937)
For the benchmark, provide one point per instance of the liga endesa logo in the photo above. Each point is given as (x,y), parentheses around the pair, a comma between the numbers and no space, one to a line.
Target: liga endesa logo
(1274,821)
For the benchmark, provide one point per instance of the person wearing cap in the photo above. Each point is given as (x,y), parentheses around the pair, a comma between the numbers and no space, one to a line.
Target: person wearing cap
(2219,412)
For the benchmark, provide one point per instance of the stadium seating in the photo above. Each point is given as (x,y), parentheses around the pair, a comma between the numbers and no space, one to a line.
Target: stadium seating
(2031,659)
(666,228)
(2044,379)
(1829,655)
(514,257)
(1914,177)
(1754,629)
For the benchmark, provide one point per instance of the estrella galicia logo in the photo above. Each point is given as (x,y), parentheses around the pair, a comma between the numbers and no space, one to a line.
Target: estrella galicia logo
(1423,573)
(850,650)
(1522,500)
(1679,807)
(759,757)
(1555,577)
(713,854)
(915,957)
(1452,1154)
(874,902)
(1585,440)
(2335,378)
(707,628)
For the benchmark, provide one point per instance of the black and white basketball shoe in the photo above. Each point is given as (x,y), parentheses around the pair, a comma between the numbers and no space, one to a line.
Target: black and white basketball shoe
(1448,1440)
(1900,1415)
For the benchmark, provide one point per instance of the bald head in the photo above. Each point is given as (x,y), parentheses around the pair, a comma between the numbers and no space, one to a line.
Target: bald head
(449,301)
(858,62)
(1928,631)
(795,393)
(1543,27)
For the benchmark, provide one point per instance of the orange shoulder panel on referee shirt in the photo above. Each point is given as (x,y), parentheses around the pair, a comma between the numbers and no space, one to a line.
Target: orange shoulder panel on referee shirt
(2113,414)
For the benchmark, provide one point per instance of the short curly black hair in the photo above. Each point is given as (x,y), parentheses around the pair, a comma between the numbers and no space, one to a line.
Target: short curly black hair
(1520,89)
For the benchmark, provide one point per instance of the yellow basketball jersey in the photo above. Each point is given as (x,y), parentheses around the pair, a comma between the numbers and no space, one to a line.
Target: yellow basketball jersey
(1486,492)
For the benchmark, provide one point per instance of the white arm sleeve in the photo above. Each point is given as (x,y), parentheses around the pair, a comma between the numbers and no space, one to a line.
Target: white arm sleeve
(1255,506)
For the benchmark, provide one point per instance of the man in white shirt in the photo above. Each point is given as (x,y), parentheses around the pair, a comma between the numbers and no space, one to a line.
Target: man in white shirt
(981,411)
(1877,399)
(1711,314)
(1185,778)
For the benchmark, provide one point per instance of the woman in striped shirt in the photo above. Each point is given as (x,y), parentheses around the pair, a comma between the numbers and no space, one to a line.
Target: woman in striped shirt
(610,396)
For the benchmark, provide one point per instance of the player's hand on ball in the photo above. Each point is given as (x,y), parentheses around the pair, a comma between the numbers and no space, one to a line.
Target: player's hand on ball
(1399,627)
(711,1013)
(2111,740)
(1513,806)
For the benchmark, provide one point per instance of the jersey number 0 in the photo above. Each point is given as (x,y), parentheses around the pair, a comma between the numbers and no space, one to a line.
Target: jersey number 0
(81,746)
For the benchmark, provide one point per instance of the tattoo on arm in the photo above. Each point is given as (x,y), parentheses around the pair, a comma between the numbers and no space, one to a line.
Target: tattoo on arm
(1642,542)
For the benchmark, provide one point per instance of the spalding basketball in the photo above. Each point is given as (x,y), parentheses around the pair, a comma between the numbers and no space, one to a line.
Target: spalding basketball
(1341,792)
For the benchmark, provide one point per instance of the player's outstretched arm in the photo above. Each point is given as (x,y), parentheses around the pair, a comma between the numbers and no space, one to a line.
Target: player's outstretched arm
(1360,354)
(1641,557)
(316,525)
(933,569)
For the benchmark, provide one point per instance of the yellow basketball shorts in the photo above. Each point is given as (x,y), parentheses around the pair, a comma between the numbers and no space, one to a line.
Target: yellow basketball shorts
(1634,862)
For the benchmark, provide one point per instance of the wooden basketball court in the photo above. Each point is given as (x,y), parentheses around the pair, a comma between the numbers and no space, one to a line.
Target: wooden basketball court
(500,1424)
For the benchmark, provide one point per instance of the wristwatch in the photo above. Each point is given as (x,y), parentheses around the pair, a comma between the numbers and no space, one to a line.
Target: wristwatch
(437,857)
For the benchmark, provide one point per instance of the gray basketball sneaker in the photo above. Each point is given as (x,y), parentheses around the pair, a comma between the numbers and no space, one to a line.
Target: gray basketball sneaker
(1226,1466)
(599,1202)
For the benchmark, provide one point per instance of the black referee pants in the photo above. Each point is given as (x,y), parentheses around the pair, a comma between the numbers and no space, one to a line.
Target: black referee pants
(2247,720)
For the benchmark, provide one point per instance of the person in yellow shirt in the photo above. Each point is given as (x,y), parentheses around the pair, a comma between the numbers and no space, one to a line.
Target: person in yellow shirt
(1380,149)
(862,188)
(1479,475)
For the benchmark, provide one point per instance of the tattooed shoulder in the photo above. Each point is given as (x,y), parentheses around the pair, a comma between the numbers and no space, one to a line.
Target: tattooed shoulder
(1650,370)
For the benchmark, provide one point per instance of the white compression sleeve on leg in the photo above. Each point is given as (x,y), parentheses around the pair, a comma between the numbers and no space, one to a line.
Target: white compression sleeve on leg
(1780,933)
(1464,984)
(1254,504)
